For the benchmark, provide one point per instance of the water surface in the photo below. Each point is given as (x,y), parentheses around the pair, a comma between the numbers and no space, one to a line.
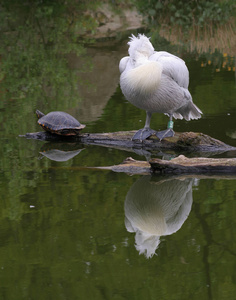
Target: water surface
(69,232)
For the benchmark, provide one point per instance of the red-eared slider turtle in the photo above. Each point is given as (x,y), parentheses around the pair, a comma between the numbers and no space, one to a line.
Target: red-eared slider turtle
(59,122)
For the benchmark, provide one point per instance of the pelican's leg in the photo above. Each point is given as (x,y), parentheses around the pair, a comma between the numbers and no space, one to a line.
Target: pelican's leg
(169,132)
(145,132)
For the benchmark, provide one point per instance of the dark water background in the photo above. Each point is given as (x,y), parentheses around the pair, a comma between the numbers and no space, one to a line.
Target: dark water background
(69,232)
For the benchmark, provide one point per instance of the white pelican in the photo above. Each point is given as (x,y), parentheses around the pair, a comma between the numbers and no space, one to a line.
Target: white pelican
(156,82)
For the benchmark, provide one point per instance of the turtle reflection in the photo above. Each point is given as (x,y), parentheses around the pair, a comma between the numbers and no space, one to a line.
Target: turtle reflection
(156,208)
(60,152)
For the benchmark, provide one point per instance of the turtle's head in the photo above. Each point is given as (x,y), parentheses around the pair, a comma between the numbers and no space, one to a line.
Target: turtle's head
(39,114)
(140,46)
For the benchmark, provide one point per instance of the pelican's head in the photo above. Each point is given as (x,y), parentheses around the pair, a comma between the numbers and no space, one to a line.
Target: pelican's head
(140,46)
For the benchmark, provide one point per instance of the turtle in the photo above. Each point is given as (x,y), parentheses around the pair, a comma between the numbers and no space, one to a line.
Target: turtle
(59,122)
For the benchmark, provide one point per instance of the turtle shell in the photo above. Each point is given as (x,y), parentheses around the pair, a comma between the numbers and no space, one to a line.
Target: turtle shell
(59,122)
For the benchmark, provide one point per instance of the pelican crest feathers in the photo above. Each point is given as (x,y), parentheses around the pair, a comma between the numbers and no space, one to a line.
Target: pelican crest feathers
(141,44)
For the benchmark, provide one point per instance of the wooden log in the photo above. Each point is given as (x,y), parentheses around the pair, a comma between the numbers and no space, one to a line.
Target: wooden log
(186,141)
(130,166)
(197,165)
(180,166)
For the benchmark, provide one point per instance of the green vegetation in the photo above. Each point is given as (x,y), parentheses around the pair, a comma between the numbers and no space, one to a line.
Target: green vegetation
(186,13)
(195,25)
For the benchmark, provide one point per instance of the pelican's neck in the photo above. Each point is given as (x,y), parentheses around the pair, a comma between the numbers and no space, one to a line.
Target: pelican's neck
(144,78)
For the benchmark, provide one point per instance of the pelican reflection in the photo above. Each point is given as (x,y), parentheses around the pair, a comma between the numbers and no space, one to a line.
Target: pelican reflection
(156,208)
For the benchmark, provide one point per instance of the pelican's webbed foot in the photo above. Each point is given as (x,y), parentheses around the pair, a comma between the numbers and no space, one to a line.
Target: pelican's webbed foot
(165,133)
(143,134)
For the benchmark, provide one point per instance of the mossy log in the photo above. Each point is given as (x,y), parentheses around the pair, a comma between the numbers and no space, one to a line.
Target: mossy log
(186,141)
(196,165)
(180,165)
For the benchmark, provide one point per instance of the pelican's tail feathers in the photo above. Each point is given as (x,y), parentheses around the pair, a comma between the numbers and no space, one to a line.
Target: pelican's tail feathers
(177,115)
(188,112)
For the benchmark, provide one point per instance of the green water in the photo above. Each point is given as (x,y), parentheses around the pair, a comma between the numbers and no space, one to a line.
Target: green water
(70,232)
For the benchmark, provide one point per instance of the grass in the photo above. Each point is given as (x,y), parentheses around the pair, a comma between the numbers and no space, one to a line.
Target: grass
(202,40)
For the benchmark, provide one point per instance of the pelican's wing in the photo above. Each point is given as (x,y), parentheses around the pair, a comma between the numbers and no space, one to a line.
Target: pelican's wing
(173,66)
(123,63)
